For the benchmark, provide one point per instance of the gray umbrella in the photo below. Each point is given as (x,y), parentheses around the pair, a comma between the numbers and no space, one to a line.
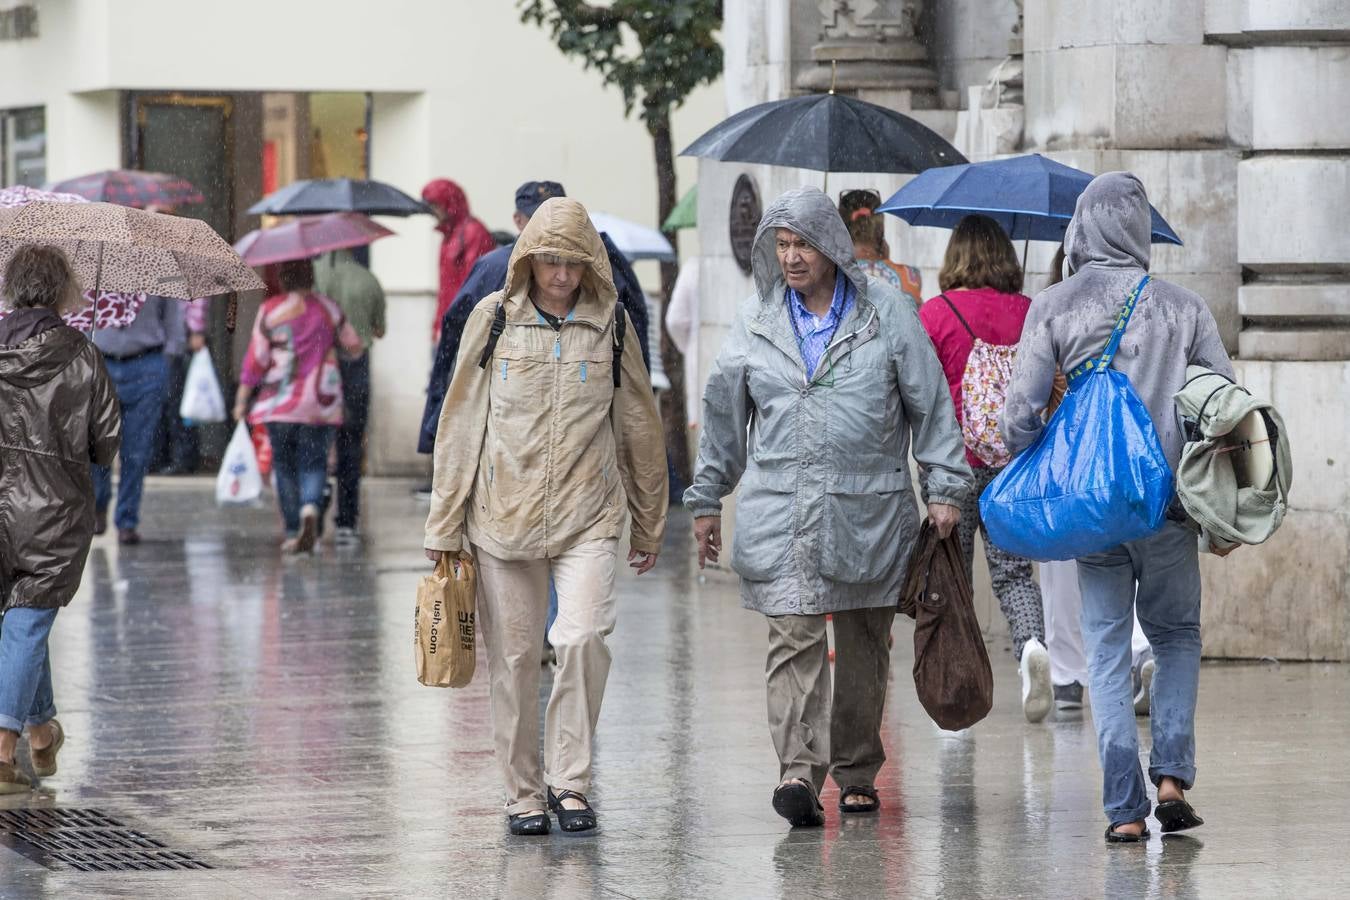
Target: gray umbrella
(323,195)
(828,133)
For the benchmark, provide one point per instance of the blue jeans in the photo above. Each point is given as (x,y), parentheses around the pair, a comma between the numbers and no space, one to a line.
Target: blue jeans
(351,437)
(300,461)
(25,670)
(1165,568)
(141,385)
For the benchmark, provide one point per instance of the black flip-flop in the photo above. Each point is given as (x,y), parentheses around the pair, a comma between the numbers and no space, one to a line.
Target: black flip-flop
(572,819)
(873,804)
(1177,815)
(1121,837)
(797,803)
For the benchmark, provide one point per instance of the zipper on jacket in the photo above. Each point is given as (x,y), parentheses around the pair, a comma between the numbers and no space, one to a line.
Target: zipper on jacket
(503,370)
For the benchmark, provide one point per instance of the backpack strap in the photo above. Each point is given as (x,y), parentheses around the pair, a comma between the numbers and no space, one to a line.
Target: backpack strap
(1103,362)
(960,318)
(490,345)
(620,326)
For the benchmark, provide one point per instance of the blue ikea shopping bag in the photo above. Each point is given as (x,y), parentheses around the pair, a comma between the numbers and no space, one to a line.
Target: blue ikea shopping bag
(1094,479)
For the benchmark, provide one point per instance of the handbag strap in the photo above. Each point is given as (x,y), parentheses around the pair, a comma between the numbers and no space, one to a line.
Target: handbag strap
(1103,362)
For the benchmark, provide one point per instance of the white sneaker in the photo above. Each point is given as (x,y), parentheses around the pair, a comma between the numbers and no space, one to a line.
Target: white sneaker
(1037,694)
(1142,677)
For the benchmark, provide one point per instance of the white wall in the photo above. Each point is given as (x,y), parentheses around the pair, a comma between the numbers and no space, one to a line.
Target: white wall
(462,90)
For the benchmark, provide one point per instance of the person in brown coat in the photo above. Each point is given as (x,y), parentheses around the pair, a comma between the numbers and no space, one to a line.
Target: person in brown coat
(60,413)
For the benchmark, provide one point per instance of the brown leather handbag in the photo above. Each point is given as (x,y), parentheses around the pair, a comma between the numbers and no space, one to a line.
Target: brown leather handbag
(952,675)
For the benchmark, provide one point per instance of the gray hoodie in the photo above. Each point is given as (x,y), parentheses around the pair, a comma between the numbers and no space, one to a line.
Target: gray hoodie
(826,517)
(1107,247)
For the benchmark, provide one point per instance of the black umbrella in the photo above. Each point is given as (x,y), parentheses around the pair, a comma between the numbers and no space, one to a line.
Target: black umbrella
(322,195)
(829,133)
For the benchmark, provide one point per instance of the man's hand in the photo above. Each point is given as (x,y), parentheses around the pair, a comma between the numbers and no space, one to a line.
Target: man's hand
(1222,552)
(944,518)
(196,341)
(435,555)
(708,534)
(641,560)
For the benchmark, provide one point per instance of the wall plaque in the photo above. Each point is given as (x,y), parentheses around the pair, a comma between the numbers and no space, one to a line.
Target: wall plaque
(745,215)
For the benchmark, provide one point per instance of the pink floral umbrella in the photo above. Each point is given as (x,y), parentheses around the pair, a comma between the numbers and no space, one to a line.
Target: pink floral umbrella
(104,309)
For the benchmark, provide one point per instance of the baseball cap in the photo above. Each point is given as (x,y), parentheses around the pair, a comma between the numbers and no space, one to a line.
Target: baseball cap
(531,195)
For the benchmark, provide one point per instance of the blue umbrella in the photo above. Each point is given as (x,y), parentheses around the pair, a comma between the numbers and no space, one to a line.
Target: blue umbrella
(1030,196)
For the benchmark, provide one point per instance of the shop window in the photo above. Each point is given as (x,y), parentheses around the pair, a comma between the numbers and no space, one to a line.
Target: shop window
(23,142)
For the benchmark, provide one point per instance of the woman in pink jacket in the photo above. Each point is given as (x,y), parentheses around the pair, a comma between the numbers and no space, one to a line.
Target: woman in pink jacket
(982,299)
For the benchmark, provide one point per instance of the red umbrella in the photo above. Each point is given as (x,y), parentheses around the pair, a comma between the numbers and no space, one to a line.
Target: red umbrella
(127,187)
(308,236)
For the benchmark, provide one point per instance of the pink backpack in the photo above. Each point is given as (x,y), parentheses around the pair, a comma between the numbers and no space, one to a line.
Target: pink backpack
(984,388)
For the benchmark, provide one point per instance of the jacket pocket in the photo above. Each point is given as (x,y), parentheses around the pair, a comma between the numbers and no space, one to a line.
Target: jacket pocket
(765,524)
(861,527)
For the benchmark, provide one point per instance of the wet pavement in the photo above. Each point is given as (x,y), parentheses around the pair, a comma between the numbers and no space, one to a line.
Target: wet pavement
(263,714)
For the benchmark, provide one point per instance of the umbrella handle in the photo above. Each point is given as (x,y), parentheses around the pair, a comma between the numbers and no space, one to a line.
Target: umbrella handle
(232,313)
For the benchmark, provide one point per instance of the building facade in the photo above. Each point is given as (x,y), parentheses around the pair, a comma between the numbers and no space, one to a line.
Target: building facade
(1233,114)
(246,96)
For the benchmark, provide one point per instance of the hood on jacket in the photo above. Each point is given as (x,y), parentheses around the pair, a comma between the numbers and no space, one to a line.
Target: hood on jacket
(562,227)
(42,351)
(1111,225)
(450,197)
(806,211)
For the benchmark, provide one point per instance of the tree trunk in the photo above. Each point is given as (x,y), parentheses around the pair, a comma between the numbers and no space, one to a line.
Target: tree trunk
(673,413)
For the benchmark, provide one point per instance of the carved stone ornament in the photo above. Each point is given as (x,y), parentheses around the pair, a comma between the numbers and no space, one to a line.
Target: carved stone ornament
(745,215)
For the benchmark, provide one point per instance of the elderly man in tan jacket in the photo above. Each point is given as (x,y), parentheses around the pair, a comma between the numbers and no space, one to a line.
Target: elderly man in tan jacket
(548,433)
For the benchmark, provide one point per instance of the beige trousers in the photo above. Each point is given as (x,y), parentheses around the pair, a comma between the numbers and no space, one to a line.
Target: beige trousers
(816,733)
(512,611)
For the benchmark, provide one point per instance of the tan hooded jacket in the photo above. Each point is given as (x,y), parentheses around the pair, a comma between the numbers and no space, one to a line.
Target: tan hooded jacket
(538,452)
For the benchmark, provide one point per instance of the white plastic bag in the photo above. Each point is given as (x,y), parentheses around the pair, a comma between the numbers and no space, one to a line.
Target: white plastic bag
(202,400)
(239,480)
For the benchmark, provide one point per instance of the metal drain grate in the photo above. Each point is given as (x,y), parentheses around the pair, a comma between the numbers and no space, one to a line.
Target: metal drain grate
(87,840)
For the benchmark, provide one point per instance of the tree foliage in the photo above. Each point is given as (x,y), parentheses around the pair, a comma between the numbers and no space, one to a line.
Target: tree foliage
(655,51)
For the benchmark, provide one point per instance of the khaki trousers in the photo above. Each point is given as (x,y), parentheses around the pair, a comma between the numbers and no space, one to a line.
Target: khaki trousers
(512,610)
(815,733)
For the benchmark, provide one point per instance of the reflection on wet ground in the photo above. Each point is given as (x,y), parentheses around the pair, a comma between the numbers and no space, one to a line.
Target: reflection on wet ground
(264,713)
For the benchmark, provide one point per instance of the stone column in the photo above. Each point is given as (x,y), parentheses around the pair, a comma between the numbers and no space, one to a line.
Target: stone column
(1289,80)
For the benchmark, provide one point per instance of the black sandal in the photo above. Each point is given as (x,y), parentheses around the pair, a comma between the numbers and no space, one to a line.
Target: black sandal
(873,804)
(572,819)
(796,801)
(530,826)
(1177,815)
(1122,837)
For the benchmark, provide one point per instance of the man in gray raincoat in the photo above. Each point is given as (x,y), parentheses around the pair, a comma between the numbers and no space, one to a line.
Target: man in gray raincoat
(823,382)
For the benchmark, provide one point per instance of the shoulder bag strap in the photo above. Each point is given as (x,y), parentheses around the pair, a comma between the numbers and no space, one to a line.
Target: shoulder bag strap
(1103,362)
(960,318)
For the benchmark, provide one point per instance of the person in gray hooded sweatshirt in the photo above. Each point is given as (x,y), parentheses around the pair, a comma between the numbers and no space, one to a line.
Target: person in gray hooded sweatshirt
(1107,246)
(823,382)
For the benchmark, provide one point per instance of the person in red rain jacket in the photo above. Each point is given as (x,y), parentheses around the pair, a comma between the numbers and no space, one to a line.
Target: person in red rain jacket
(464,240)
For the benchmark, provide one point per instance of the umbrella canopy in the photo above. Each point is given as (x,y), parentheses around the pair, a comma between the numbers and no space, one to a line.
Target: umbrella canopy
(125,249)
(132,188)
(634,241)
(685,213)
(308,236)
(1030,196)
(829,133)
(104,309)
(304,198)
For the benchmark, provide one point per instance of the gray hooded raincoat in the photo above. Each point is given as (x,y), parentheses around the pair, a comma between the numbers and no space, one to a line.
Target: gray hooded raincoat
(1107,246)
(826,516)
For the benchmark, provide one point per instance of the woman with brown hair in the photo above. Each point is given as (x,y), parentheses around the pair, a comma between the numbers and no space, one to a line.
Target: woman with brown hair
(868,230)
(974,324)
(60,414)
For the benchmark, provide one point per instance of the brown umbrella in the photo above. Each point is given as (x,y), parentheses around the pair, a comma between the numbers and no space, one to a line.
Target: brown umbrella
(118,248)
